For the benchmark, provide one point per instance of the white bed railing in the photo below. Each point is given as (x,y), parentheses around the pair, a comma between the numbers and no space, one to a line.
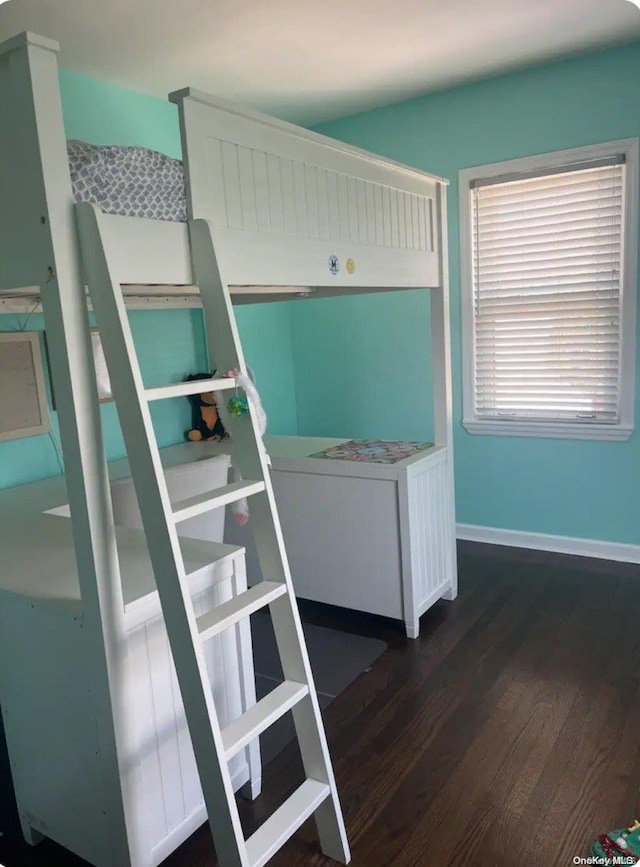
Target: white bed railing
(291,207)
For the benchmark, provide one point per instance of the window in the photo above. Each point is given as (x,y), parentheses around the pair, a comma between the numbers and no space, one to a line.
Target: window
(549,283)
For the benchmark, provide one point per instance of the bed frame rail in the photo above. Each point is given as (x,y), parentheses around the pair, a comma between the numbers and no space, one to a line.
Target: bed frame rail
(289,206)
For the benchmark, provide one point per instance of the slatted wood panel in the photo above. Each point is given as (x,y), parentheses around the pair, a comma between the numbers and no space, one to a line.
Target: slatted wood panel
(262,192)
(161,769)
(432,530)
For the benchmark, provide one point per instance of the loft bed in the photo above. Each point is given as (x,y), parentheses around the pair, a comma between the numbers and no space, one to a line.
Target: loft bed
(294,214)
(283,202)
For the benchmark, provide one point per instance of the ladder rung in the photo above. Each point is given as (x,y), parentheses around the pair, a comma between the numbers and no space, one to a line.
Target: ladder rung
(286,820)
(223,616)
(184,389)
(262,715)
(215,499)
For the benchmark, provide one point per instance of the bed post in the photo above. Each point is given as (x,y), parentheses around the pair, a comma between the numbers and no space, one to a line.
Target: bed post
(38,248)
(441,363)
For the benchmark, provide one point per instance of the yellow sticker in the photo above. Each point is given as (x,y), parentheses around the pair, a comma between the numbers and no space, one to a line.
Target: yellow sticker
(351,266)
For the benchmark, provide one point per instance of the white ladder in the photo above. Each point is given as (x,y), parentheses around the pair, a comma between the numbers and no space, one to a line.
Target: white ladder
(187,633)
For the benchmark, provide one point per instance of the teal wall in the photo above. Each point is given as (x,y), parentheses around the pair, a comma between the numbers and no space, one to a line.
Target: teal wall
(362,363)
(169,342)
(363,367)
(104,113)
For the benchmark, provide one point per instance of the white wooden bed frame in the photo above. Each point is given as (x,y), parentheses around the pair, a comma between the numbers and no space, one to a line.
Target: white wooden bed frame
(283,200)
(285,204)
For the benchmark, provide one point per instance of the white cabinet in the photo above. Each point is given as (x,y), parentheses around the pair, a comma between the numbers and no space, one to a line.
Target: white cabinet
(53,703)
(369,536)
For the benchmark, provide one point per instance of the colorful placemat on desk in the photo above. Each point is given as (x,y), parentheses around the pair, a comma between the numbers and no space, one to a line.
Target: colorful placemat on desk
(372,451)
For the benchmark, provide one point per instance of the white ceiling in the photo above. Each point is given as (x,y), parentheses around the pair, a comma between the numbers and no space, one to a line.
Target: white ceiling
(310,60)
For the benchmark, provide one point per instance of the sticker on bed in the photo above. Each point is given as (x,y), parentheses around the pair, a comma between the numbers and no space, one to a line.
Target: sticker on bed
(334,264)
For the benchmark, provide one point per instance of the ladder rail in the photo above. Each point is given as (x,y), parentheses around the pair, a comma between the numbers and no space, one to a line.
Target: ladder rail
(223,343)
(156,513)
(187,633)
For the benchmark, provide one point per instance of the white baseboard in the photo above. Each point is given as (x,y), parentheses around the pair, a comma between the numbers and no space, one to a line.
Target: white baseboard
(558,544)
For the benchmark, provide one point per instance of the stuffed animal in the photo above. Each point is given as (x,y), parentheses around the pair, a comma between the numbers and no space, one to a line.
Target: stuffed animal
(205,421)
(207,425)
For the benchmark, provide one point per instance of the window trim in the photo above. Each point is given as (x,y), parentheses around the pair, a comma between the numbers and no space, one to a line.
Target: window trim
(587,430)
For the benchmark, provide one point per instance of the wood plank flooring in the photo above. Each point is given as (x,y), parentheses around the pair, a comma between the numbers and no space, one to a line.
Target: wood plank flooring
(507,734)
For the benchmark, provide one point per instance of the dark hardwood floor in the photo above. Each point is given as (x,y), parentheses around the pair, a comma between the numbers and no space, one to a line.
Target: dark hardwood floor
(507,734)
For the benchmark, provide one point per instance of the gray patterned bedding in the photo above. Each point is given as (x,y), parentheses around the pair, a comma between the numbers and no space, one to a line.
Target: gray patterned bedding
(131,181)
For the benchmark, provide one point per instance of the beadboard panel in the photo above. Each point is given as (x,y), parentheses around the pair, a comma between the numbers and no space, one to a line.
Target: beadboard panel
(432,530)
(258,191)
(308,210)
(161,772)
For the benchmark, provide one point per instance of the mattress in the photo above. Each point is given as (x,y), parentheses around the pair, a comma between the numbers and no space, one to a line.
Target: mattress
(130,181)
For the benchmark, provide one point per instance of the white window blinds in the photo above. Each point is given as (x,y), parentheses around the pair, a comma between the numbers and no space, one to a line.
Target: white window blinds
(547,259)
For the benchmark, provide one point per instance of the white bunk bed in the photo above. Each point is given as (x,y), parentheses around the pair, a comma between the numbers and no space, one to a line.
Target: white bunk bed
(293,213)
